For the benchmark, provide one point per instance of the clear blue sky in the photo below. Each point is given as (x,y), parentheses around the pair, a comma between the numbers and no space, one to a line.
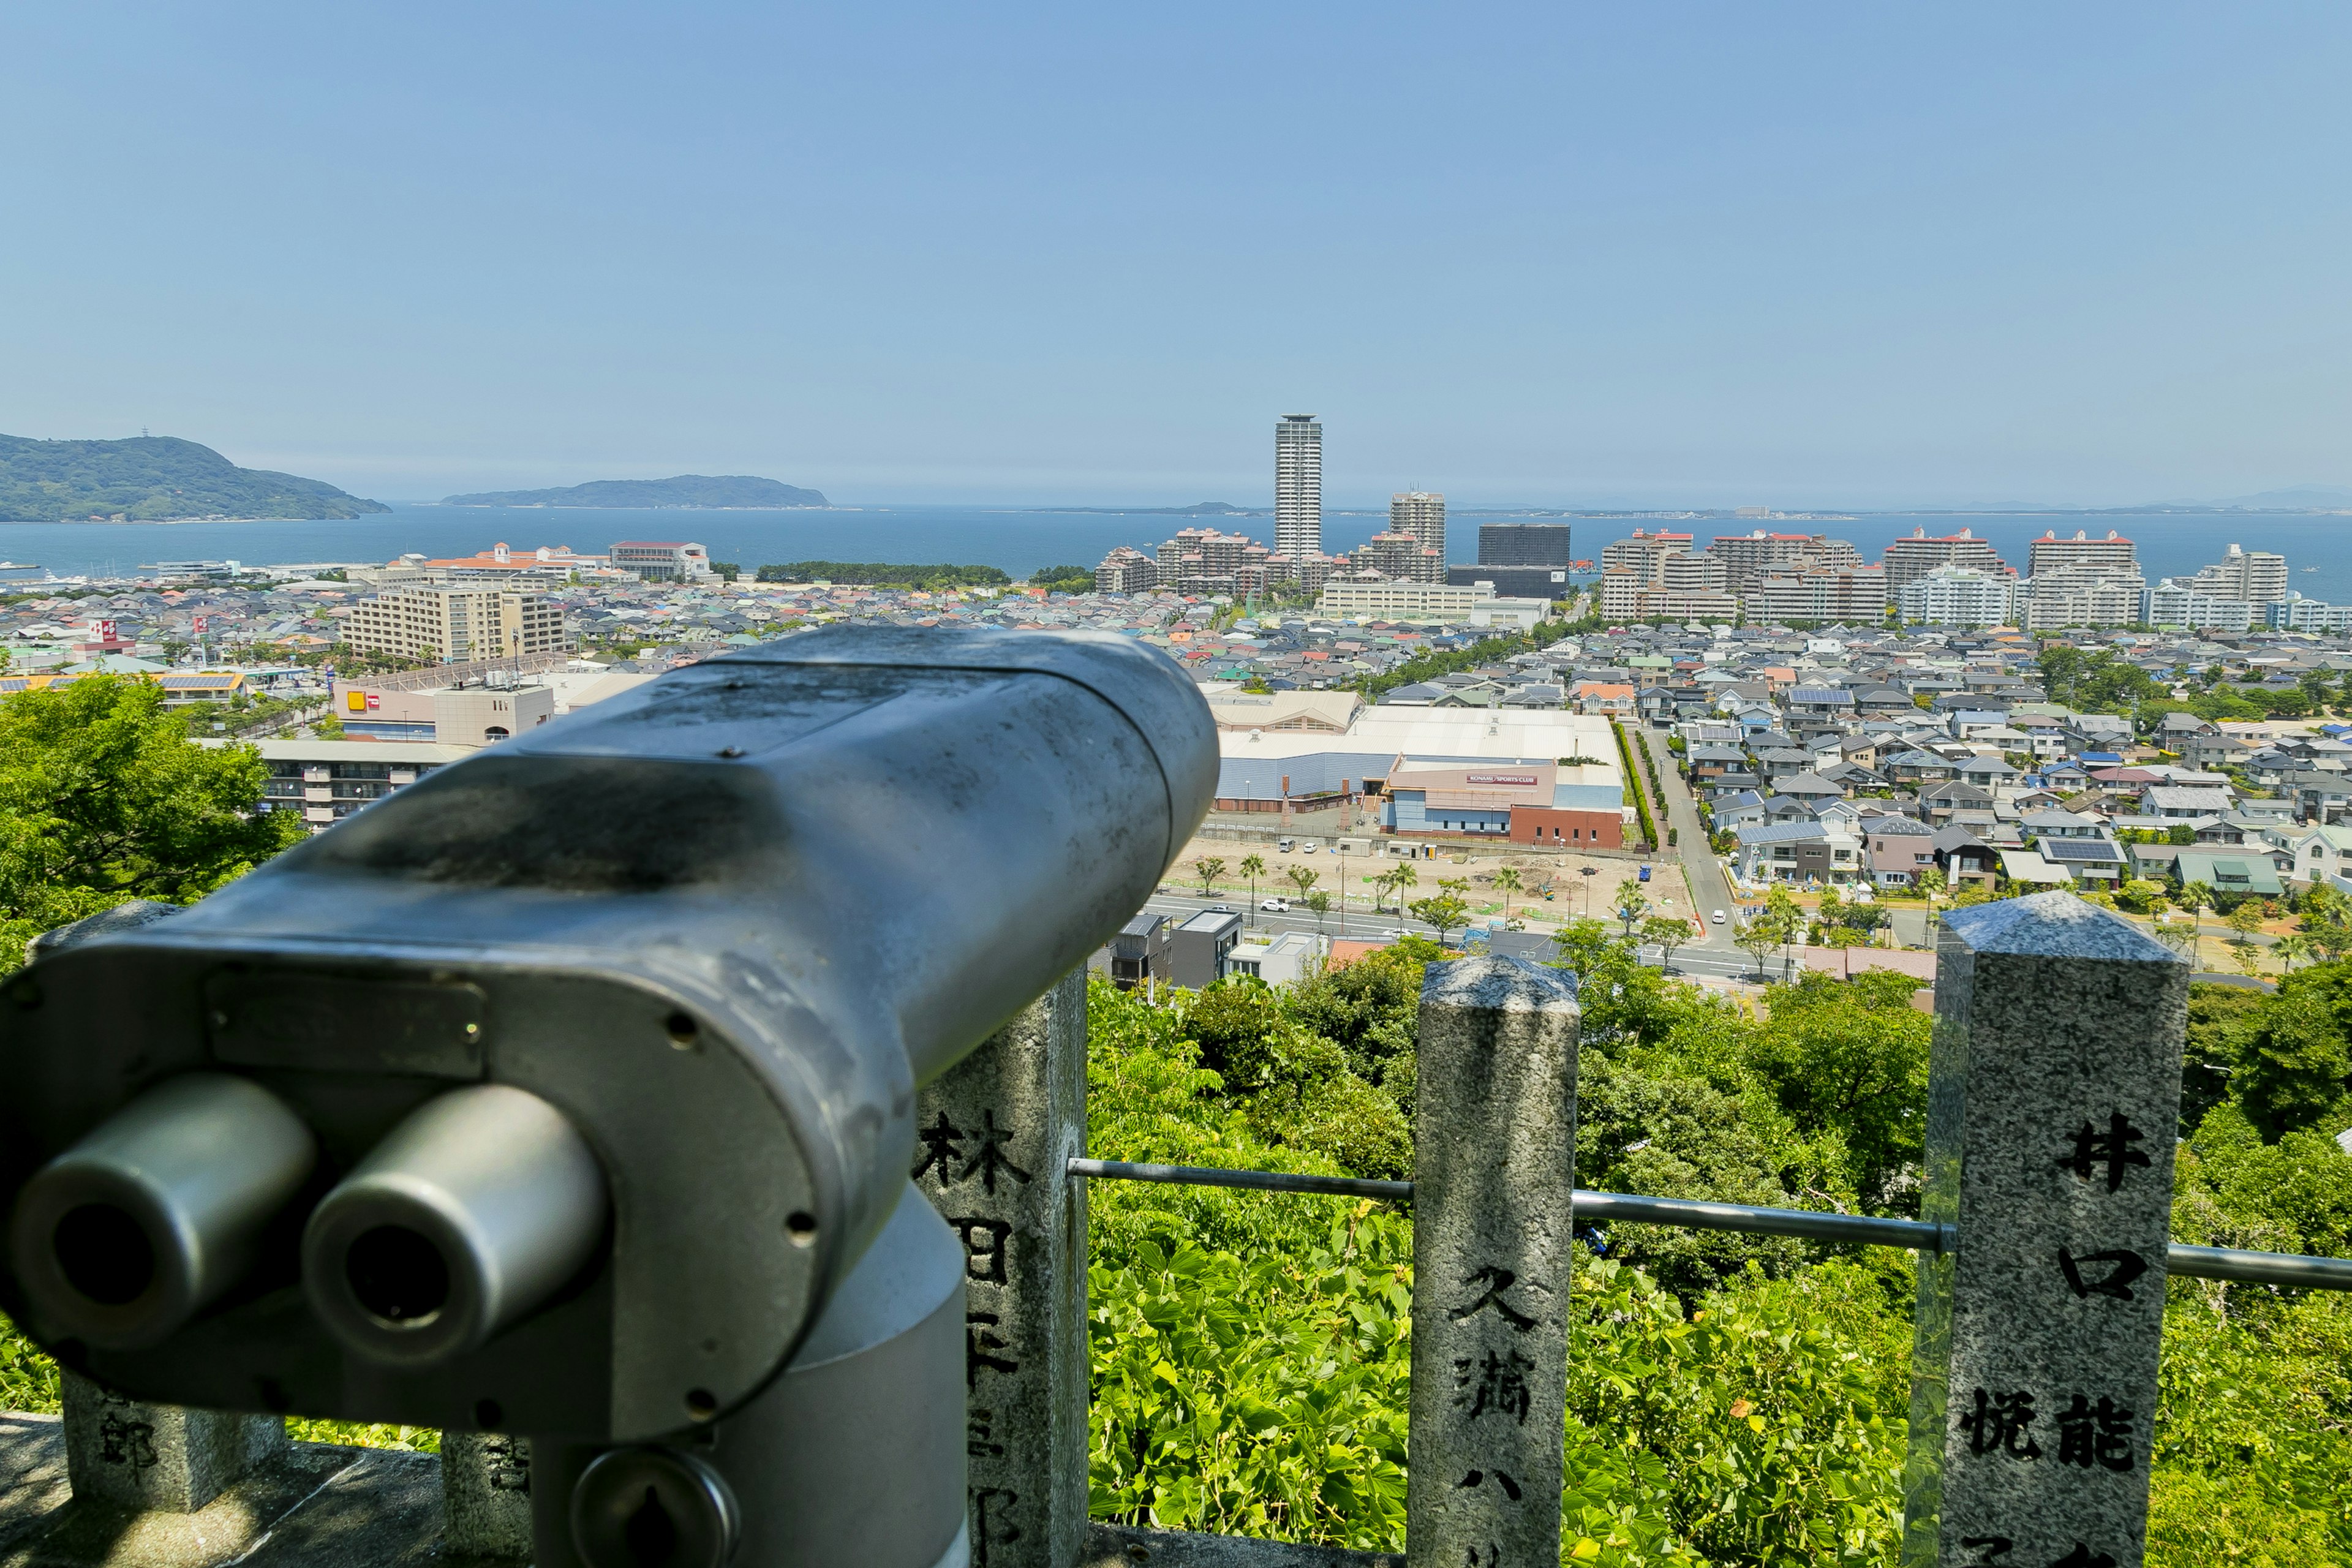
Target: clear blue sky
(1772,254)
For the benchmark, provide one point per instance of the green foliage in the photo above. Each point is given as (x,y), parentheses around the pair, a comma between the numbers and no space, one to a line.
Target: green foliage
(1848,1062)
(1064,579)
(151,478)
(103,798)
(887,575)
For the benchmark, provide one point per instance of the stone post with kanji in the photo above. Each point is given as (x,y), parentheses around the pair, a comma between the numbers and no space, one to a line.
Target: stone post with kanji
(2054,1094)
(158,1458)
(996,1136)
(1493,1240)
(485,1495)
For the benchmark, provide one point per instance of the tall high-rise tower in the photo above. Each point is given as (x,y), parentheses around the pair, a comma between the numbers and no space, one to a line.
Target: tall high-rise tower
(1422,515)
(1298,488)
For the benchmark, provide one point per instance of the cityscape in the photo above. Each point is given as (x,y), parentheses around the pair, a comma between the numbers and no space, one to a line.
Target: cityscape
(1058,787)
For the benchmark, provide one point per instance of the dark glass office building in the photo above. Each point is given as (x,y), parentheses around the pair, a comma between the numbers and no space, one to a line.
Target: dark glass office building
(1523,544)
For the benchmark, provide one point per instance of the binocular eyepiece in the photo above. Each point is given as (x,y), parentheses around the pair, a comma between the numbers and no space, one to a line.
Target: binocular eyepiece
(562,1090)
(470,1213)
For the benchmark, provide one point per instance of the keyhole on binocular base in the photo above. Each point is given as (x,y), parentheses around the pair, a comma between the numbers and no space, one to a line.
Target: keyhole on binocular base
(651,1535)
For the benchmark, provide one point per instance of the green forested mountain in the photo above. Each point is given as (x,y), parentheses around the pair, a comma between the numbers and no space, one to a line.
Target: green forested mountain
(151,478)
(685,490)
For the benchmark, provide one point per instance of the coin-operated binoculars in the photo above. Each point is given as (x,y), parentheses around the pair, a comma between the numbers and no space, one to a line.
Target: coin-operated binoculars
(570,1091)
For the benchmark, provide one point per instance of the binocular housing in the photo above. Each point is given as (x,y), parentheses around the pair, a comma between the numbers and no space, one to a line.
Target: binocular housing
(561,1091)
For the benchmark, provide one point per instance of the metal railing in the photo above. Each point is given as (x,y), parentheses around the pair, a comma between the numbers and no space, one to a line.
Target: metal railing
(2296,1271)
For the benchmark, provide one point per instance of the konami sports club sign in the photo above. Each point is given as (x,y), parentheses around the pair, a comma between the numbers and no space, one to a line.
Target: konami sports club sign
(1502,778)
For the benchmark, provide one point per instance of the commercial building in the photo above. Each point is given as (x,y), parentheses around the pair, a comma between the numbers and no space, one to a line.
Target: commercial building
(1524,544)
(1957,597)
(2255,576)
(1388,601)
(326,780)
(1526,801)
(1421,515)
(1514,582)
(1298,486)
(662,561)
(2113,556)
(456,625)
(1907,559)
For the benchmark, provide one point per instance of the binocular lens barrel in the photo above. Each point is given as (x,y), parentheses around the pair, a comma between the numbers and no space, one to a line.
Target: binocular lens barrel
(468,1215)
(127,1234)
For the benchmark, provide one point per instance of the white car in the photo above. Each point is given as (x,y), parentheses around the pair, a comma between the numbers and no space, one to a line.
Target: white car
(1716,918)
(1276,906)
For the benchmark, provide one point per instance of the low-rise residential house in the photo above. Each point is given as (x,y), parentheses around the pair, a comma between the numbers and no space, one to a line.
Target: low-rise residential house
(2312,854)
(1810,787)
(1963,858)
(2321,797)
(2062,824)
(1988,772)
(2180,802)
(2229,873)
(1918,767)
(1814,852)
(2094,862)
(1899,849)
(2027,866)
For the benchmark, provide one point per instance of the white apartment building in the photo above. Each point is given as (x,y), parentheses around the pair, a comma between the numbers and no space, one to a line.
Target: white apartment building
(1298,486)
(1818,593)
(1907,559)
(2113,556)
(1957,597)
(2296,614)
(2256,577)
(1421,514)
(2079,596)
(456,625)
(2178,603)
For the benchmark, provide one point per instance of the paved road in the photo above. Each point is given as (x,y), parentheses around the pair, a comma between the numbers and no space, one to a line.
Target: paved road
(1710,889)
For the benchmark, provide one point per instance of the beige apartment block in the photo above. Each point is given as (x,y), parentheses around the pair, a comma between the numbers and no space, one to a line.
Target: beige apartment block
(455,625)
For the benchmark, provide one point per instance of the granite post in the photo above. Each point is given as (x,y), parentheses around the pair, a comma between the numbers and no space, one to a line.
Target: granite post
(2054,1096)
(996,1134)
(1493,1240)
(158,1458)
(486,1494)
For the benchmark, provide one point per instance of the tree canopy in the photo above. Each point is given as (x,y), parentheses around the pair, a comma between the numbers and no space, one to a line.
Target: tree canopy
(103,797)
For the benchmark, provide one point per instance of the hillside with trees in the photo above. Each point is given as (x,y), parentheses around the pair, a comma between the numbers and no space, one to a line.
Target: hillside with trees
(154,479)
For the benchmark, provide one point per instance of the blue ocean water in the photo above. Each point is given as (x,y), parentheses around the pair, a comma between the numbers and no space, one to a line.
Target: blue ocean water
(1020,539)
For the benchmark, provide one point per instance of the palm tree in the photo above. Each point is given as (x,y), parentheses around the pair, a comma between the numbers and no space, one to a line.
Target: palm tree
(1304,878)
(1252,867)
(2291,949)
(1401,877)
(1631,904)
(1208,869)
(1508,881)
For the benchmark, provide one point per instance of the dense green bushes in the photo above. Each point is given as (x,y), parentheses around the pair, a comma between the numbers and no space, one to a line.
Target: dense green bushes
(1732,1399)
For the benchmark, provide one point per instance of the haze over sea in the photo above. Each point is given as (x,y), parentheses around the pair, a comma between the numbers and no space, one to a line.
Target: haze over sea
(1020,539)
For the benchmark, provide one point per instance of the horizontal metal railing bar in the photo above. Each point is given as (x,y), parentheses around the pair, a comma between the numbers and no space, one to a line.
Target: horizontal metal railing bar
(1689,1214)
(2294,1270)
(1254,1181)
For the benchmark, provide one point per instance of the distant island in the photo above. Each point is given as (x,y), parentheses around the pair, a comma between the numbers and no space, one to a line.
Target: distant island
(154,479)
(736,491)
(1198,509)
